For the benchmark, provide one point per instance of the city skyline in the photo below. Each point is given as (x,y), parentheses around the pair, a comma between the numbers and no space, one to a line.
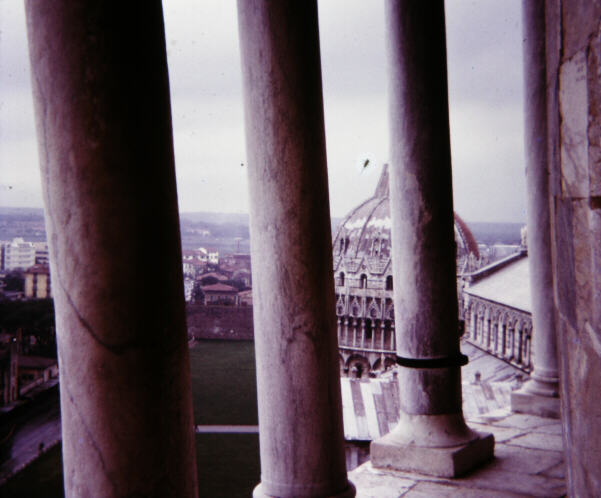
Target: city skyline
(485,74)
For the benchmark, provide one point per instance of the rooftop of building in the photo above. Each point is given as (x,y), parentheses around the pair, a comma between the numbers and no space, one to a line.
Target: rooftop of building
(219,288)
(509,284)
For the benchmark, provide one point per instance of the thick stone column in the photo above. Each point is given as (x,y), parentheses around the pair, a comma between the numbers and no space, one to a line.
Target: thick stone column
(432,436)
(540,395)
(300,414)
(103,115)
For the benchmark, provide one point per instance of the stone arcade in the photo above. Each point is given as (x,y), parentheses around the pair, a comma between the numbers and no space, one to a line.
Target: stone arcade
(103,119)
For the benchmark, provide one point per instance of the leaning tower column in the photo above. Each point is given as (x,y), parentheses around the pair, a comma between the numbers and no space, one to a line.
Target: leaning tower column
(540,395)
(101,94)
(298,380)
(432,436)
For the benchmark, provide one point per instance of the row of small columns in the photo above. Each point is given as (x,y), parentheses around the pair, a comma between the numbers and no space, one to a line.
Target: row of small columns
(502,339)
(350,326)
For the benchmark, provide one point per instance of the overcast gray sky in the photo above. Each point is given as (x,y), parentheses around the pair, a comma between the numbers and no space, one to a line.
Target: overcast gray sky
(485,86)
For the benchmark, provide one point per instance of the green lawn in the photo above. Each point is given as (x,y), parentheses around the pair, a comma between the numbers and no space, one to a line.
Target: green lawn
(224,393)
(224,388)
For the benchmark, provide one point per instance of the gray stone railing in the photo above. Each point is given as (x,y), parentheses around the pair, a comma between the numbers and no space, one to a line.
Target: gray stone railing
(499,330)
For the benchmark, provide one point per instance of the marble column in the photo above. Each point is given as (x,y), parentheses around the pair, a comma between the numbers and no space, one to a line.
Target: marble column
(432,436)
(103,116)
(540,395)
(298,382)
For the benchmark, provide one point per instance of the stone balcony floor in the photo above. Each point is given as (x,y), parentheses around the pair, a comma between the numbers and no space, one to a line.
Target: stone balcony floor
(528,462)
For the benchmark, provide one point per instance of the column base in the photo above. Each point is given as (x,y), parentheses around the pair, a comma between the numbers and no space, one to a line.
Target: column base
(436,445)
(525,401)
(259,492)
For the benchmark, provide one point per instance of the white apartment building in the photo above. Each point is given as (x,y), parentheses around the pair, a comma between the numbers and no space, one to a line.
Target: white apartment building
(18,254)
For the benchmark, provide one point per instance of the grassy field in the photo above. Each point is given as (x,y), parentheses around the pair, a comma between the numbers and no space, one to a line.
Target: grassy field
(224,393)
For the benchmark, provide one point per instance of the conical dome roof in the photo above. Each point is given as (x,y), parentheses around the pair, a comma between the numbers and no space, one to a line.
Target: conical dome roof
(363,238)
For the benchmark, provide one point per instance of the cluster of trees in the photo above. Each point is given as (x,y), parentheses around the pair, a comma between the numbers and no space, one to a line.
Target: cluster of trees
(34,318)
(14,281)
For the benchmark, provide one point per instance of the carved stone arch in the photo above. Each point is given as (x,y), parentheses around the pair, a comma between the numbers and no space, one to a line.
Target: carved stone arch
(373,310)
(355,307)
(389,309)
(358,366)
(377,365)
(340,305)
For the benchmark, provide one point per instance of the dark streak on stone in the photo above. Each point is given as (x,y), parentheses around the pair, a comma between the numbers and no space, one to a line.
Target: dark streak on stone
(117,349)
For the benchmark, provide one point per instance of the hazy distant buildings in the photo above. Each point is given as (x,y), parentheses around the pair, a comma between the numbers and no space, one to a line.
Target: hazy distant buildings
(17,254)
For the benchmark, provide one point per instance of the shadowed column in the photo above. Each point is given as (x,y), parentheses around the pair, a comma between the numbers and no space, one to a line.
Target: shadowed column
(539,396)
(300,420)
(432,436)
(104,131)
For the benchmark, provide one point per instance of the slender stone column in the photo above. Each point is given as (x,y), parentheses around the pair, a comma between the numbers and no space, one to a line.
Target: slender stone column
(362,332)
(540,395)
(432,436)
(103,116)
(346,320)
(298,380)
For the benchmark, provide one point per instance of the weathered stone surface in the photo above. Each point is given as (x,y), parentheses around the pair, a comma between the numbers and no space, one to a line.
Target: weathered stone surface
(432,436)
(536,440)
(452,461)
(523,401)
(525,421)
(558,471)
(551,429)
(594,109)
(298,387)
(513,482)
(103,116)
(429,489)
(501,433)
(375,483)
(574,126)
(580,19)
(524,460)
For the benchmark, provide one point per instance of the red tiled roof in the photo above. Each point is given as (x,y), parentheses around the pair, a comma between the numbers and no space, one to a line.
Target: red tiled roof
(219,288)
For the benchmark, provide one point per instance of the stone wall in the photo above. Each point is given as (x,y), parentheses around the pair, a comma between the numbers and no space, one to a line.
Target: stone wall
(574,103)
(220,322)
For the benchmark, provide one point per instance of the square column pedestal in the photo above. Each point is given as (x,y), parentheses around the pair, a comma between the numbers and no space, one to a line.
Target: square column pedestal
(436,445)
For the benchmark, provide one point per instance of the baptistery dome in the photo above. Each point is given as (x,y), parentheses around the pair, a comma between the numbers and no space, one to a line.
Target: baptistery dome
(364,284)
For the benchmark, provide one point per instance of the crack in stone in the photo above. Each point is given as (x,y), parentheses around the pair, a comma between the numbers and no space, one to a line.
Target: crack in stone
(117,349)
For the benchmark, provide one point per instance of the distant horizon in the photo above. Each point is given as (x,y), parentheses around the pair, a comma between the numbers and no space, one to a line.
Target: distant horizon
(241,213)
